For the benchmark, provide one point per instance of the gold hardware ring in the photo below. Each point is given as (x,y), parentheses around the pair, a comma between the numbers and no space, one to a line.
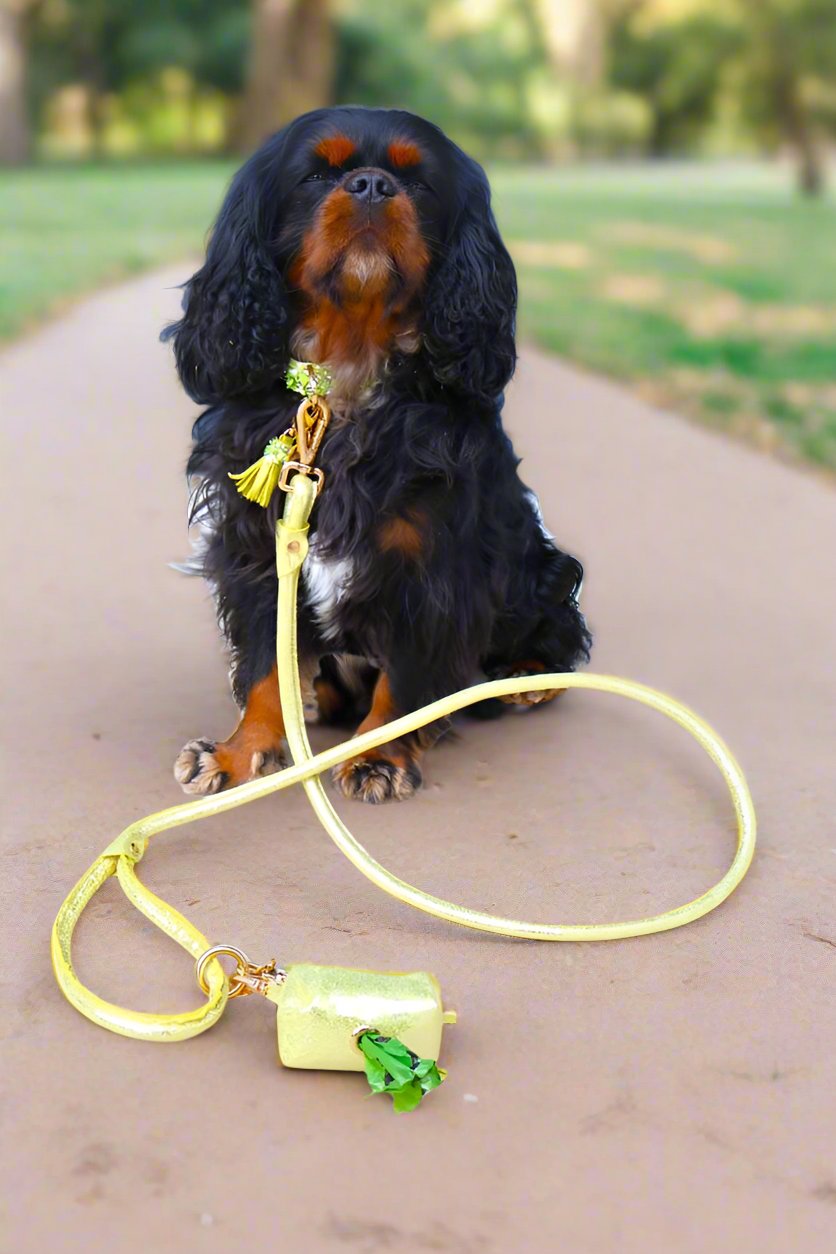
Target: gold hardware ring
(236,989)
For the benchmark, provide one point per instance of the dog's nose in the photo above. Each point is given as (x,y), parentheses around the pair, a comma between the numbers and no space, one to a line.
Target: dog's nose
(372,185)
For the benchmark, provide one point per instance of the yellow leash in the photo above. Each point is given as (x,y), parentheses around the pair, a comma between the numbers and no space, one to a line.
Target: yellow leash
(120,857)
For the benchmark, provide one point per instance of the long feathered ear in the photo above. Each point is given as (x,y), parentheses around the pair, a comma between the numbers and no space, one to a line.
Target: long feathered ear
(232,337)
(471,301)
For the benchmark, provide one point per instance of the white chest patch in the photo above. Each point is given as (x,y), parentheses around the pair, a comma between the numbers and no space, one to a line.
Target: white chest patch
(326,582)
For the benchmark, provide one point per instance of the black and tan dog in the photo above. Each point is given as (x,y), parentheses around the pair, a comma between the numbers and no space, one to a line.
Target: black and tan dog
(363,239)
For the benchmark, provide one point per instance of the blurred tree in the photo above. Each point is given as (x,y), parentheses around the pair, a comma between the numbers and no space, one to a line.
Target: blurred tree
(469,68)
(290,67)
(788,78)
(673,56)
(15,138)
(507,78)
(110,45)
(598,115)
(575,33)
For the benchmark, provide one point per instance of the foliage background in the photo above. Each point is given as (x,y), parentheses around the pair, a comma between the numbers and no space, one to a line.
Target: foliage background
(532,79)
(659,166)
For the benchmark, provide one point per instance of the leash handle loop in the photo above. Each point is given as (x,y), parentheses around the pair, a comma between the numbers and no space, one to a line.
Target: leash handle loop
(135,1023)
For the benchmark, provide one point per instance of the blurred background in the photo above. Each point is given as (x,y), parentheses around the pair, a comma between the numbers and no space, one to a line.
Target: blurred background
(660,167)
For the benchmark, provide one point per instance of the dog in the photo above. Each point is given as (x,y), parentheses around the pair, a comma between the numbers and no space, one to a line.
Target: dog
(364,240)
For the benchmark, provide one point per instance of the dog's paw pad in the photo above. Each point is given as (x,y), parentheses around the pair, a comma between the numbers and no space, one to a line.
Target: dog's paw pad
(376,780)
(197,769)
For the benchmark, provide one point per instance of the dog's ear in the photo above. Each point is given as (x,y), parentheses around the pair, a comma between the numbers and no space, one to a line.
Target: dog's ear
(232,337)
(471,301)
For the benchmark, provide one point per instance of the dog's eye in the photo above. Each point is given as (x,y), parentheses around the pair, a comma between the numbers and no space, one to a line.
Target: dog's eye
(319,177)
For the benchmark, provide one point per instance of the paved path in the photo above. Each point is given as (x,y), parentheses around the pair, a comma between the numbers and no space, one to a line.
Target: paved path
(670,1092)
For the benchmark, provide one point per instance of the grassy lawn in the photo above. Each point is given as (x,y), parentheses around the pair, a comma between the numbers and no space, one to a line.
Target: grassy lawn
(65,230)
(710,289)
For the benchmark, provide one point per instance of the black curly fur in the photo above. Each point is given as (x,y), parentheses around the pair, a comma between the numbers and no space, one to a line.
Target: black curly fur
(489,588)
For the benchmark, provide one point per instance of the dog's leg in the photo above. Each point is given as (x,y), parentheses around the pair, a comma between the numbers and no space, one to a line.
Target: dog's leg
(339,691)
(393,771)
(547,631)
(256,747)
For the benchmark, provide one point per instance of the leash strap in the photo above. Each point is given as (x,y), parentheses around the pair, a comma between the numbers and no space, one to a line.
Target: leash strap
(121,857)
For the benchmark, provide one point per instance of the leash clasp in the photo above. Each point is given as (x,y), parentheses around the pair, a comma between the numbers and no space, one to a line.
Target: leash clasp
(247,976)
(312,418)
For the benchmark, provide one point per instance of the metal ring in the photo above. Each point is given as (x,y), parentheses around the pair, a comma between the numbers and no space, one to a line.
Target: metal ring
(228,951)
(303,469)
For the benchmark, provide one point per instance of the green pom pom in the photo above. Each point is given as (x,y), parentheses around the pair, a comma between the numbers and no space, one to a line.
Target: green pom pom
(307,378)
(392,1068)
(279,448)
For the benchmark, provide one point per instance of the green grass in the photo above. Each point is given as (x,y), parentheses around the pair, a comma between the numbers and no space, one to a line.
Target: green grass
(65,230)
(710,289)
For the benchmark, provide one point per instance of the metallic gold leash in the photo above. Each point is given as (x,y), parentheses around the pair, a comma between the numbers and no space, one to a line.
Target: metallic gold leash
(120,858)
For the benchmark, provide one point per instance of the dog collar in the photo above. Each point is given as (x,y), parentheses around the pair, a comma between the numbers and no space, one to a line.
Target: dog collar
(295,450)
(308,379)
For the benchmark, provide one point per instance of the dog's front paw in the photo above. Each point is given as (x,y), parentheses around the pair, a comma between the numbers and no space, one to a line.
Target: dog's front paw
(204,767)
(197,769)
(525,700)
(375,778)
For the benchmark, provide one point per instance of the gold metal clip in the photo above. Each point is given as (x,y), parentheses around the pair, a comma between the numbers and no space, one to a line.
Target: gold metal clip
(312,418)
(303,469)
(247,976)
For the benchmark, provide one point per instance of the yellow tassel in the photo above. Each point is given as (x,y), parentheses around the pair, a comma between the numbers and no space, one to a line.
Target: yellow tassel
(258,482)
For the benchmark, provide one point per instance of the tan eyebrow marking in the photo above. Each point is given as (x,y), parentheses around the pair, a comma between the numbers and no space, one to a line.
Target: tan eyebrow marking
(402,152)
(335,149)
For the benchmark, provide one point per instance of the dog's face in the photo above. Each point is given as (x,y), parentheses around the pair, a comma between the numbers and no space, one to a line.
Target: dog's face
(366,203)
(352,233)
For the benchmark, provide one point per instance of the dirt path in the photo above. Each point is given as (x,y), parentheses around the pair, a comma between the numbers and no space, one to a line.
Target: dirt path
(671,1092)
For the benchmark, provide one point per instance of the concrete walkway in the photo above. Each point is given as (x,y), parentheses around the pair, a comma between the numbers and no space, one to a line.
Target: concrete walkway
(673,1092)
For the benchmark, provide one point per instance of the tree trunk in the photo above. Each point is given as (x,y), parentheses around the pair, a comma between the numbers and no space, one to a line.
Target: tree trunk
(15,139)
(810,163)
(811,171)
(291,66)
(783,83)
(575,36)
(799,130)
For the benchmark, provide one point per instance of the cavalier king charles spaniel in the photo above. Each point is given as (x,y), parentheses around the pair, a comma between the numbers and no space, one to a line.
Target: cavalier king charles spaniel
(363,239)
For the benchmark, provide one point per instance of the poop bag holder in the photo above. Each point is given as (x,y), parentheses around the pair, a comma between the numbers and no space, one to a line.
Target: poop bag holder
(386,1023)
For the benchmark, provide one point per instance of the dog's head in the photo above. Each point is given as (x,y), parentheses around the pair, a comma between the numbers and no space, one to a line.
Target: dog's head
(350,235)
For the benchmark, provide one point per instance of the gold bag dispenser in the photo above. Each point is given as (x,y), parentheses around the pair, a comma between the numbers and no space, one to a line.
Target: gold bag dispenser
(320,1009)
